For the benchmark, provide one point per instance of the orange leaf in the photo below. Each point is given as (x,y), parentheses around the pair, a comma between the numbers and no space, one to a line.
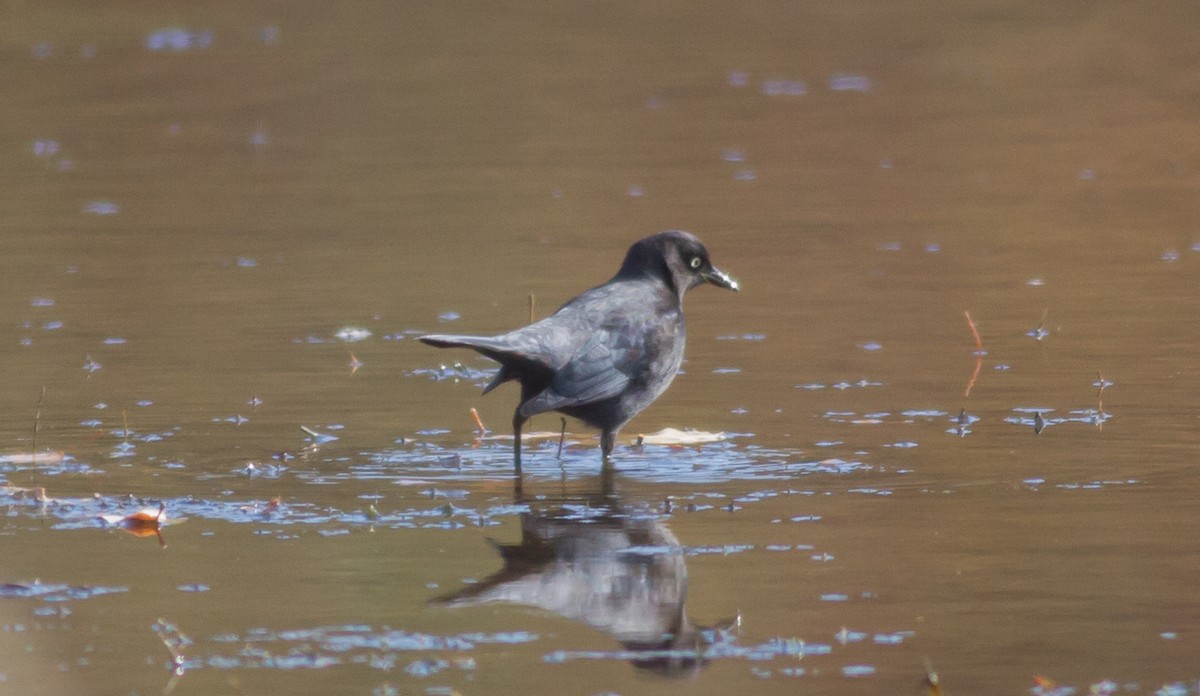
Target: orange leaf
(1043,682)
(143,523)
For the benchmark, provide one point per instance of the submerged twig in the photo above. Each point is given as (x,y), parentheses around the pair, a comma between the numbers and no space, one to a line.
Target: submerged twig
(37,421)
(1100,400)
(478,422)
(978,354)
(974,330)
(1040,332)
(531,303)
(931,680)
(173,640)
(961,422)
(561,437)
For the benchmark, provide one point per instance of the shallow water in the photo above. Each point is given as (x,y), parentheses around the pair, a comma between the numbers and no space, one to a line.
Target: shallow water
(221,229)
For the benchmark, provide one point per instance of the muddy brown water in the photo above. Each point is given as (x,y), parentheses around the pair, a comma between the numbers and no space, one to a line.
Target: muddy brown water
(196,199)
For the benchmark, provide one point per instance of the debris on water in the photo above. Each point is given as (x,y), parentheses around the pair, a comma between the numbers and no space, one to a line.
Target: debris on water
(850,83)
(979,353)
(1031,420)
(962,423)
(55,592)
(355,363)
(931,681)
(673,436)
(45,148)
(1039,423)
(144,522)
(318,438)
(102,208)
(449,494)
(37,494)
(178,40)
(784,88)
(478,422)
(456,371)
(1040,332)
(271,506)
(1044,686)
(174,641)
(269,34)
(236,419)
(90,365)
(352,334)
(259,138)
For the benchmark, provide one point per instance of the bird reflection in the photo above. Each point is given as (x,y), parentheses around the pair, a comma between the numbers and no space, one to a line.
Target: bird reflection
(590,560)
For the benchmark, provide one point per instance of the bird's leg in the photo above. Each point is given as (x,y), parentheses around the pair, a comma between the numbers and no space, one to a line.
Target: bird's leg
(607,439)
(607,482)
(518,421)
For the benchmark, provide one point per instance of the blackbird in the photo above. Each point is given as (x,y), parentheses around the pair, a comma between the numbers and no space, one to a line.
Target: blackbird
(609,352)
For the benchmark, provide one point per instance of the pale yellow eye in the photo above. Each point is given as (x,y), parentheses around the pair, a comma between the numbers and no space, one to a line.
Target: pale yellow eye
(696,262)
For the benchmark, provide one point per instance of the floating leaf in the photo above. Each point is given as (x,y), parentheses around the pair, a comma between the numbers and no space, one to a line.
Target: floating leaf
(672,436)
(37,494)
(32,458)
(272,505)
(143,523)
(525,437)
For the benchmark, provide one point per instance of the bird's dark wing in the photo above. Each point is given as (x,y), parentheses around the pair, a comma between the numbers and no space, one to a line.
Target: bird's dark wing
(602,367)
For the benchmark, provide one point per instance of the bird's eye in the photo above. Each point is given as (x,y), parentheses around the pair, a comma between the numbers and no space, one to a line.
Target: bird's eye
(696,261)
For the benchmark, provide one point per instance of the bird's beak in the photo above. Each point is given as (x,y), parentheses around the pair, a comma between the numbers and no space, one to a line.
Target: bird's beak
(721,279)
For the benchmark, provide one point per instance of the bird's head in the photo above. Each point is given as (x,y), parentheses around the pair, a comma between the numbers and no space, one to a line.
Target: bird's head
(678,259)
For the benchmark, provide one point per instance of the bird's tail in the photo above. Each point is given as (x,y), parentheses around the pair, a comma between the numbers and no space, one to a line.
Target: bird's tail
(493,348)
(483,344)
(514,363)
